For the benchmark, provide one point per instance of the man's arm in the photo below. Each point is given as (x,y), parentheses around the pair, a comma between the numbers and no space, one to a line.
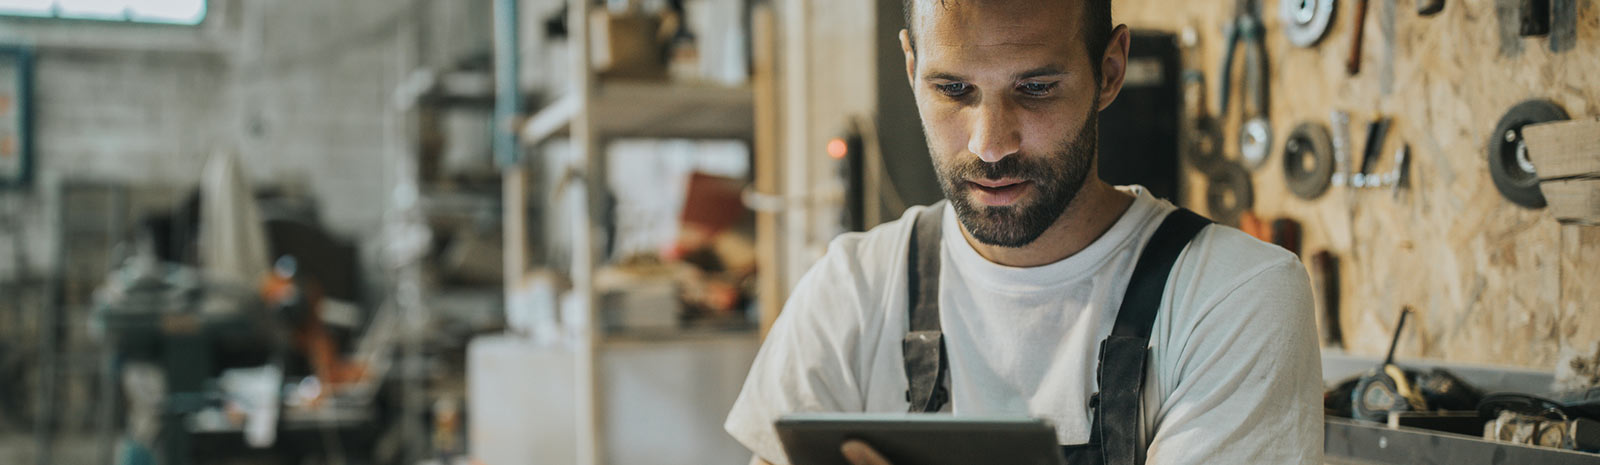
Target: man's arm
(1248,377)
(808,361)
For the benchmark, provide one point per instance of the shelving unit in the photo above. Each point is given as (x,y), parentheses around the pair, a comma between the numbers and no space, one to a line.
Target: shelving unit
(590,114)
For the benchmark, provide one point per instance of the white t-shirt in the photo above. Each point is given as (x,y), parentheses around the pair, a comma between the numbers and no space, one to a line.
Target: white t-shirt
(1234,376)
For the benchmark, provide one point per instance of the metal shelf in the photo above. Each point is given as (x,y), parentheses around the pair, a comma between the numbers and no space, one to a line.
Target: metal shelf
(652,110)
(1352,441)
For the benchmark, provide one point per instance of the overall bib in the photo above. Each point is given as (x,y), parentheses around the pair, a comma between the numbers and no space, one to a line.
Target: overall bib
(1114,437)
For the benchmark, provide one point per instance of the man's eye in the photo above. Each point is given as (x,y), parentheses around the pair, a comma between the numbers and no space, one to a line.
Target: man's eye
(955,89)
(1037,89)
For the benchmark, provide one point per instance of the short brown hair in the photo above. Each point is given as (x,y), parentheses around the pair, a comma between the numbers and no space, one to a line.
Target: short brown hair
(1097,28)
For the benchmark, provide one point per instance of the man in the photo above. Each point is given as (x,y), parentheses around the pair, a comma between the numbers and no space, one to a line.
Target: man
(1032,255)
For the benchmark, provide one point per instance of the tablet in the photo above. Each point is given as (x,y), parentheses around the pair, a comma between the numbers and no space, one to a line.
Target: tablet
(920,439)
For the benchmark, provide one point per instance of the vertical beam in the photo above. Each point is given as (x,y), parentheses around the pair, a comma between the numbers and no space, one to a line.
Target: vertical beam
(796,161)
(769,283)
(585,254)
(514,225)
(506,95)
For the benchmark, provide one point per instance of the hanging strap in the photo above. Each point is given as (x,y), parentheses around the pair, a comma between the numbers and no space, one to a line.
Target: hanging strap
(923,347)
(1119,405)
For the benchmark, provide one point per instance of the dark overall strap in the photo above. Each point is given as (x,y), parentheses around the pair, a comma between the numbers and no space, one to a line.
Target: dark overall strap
(923,347)
(1119,404)
(1115,436)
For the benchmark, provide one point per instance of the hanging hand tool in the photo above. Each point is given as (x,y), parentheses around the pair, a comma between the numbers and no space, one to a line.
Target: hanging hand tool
(1255,138)
(1306,21)
(1353,65)
(1308,160)
(1376,131)
(1535,16)
(1429,7)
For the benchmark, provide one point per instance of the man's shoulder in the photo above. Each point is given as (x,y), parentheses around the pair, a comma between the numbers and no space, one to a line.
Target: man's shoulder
(876,252)
(1223,260)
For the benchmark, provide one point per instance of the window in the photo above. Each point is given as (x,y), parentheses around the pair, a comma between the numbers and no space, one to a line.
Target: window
(186,12)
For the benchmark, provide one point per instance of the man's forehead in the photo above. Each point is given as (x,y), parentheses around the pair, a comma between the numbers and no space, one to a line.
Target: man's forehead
(979,23)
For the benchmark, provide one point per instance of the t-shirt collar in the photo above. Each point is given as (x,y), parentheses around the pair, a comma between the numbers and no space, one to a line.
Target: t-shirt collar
(1067,270)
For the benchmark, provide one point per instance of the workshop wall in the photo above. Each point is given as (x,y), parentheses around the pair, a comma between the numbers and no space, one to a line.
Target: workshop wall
(303,90)
(1490,282)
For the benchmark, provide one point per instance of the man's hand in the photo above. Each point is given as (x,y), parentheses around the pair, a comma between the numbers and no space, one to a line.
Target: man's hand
(859,453)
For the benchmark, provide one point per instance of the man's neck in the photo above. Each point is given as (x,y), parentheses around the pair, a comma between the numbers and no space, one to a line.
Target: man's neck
(1096,207)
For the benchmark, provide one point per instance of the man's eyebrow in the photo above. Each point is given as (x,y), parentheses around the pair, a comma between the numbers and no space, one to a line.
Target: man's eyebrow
(1049,70)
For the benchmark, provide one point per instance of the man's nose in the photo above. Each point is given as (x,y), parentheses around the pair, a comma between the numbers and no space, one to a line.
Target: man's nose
(994,133)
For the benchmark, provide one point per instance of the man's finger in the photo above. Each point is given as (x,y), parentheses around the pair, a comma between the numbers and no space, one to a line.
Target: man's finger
(859,453)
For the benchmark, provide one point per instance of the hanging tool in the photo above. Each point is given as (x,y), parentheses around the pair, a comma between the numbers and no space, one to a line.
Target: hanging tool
(1376,131)
(1308,160)
(1306,21)
(1509,165)
(1353,64)
(1325,272)
(1203,137)
(1229,193)
(1429,7)
(1341,147)
(1535,16)
(1255,137)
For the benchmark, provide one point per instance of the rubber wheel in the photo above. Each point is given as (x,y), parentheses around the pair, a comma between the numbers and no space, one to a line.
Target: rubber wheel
(1515,183)
(1229,193)
(1308,160)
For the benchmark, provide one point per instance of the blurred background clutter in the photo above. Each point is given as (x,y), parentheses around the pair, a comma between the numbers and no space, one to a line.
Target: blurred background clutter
(509,232)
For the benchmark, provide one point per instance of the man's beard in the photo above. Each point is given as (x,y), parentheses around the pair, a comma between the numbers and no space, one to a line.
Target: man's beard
(1055,179)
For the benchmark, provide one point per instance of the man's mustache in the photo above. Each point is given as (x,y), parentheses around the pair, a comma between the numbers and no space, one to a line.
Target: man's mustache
(1009,167)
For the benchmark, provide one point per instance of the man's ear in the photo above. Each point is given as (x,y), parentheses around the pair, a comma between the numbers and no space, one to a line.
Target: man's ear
(911,57)
(1114,65)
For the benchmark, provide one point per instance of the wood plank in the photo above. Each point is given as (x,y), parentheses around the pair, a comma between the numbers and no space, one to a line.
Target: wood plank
(1576,200)
(1564,149)
(651,110)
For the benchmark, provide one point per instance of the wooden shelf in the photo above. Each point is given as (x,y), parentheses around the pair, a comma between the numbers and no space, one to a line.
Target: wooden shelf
(653,110)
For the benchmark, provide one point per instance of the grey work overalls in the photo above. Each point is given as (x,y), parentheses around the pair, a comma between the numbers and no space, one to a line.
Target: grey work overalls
(1114,437)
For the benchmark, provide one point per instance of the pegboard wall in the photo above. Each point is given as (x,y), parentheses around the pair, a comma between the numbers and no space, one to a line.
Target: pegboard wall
(1490,282)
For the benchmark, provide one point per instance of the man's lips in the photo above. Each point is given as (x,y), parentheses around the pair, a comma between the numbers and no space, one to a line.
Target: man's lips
(996,183)
(998,192)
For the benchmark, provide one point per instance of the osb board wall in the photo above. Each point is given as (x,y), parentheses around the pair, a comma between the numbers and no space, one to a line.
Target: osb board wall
(1490,282)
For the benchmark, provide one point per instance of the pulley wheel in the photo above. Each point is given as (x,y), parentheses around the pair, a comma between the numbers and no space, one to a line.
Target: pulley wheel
(1306,21)
(1514,175)
(1308,160)
(1255,142)
(1229,193)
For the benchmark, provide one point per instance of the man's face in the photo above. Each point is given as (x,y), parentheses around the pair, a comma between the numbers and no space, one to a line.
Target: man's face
(1008,100)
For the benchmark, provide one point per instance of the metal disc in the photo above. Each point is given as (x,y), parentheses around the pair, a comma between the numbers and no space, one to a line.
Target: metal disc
(1308,160)
(1255,142)
(1229,193)
(1513,173)
(1306,21)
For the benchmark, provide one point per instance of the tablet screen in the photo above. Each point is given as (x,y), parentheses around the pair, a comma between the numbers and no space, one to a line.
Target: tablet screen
(920,439)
